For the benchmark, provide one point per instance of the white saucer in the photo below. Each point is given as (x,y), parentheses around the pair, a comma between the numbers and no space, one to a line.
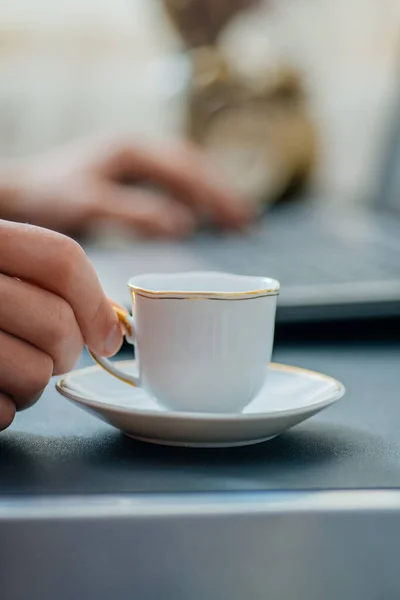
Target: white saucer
(289,396)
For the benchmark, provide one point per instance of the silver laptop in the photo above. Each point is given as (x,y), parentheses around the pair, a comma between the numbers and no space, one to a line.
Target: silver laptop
(331,263)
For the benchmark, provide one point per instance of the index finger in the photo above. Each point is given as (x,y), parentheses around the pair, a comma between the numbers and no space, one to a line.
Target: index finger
(58,264)
(184,171)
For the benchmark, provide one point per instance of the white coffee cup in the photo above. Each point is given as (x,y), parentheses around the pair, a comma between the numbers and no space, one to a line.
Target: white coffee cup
(203,340)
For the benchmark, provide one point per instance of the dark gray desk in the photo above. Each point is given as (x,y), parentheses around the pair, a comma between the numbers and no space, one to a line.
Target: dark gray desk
(55,448)
(79,516)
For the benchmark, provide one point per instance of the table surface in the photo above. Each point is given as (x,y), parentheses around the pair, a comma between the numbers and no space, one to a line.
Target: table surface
(55,448)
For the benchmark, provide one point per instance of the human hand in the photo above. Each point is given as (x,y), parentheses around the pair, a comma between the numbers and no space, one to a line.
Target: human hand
(51,304)
(79,186)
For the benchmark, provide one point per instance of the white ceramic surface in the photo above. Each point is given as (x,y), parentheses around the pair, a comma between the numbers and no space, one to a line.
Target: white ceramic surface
(289,396)
(203,339)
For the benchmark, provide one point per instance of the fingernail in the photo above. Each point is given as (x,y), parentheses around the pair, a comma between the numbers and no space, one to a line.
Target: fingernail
(114,341)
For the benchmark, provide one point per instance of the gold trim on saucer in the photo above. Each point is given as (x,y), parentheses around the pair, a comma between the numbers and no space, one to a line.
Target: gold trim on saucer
(290,369)
(60,384)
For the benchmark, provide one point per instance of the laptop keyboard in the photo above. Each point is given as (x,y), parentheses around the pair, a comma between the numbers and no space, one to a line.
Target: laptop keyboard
(309,254)
(301,249)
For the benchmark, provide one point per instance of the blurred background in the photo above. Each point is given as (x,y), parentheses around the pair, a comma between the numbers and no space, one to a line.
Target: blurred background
(74,67)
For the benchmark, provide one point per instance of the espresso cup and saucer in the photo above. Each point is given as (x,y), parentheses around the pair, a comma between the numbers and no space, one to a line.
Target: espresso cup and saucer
(202,374)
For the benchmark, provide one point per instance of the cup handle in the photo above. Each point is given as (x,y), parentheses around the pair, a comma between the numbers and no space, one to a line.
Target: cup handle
(127,324)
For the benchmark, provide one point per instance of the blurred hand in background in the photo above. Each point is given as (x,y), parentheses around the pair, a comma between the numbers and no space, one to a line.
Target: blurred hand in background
(154,190)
